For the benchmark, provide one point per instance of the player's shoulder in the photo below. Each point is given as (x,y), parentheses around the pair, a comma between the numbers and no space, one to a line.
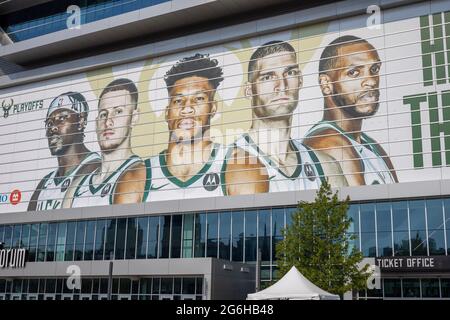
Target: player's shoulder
(327,139)
(134,172)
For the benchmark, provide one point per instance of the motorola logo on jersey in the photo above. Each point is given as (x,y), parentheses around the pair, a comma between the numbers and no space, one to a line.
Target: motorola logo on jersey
(211,181)
(106,190)
(309,171)
(65,185)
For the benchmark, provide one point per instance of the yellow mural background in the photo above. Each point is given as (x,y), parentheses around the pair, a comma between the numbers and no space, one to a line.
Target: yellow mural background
(150,135)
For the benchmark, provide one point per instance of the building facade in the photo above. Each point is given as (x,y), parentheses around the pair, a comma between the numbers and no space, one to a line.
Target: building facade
(174,139)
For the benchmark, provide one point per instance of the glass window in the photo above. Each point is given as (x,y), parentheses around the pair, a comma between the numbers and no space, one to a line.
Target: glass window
(145,286)
(155,285)
(417,223)
(392,288)
(199,286)
(289,213)
(25,238)
(70,241)
(188,235)
(165,237)
(238,236)
(125,286)
(445,288)
(100,232)
(166,285)
(142,231)
(104,284)
(1,233)
(447,222)
(51,241)
(120,238)
(61,241)
(79,240)
(89,242)
(43,228)
(17,230)
(435,222)
(367,216)
(33,286)
(188,285)
(86,285)
(7,240)
(153,234)
(50,286)
(17,286)
(131,239)
(95,285)
(177,221)
(177,285)
(110,239)
(265,273)
(400,226)
(411,288)
(353,214)
(200,235)
(264,233)
(212,234)
(384,229)
(277,226)
(34,232)
(224,235)
(430,288)
(251,228)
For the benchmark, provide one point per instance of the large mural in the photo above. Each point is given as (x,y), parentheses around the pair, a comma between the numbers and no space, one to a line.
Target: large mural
(336,101)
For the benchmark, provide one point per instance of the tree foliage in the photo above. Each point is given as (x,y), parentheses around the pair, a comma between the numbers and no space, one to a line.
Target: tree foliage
(318,245)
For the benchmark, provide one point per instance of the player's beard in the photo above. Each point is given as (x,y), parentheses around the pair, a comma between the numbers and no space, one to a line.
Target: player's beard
(58,148)
(191,140)
(353,109)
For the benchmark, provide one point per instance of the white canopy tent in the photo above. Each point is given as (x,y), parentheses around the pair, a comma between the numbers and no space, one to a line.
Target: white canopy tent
(293,286)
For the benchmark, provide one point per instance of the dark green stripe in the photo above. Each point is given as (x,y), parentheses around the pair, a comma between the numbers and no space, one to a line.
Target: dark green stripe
(184,184)
(148,179)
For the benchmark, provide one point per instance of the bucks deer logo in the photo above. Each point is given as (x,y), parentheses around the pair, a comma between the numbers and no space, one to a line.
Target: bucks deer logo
(6,107)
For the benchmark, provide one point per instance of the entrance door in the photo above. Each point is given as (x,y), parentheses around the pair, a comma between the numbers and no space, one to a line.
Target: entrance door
(49,297)
(165,297)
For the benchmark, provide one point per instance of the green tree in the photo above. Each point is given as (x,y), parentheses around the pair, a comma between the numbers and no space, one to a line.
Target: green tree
(317,244)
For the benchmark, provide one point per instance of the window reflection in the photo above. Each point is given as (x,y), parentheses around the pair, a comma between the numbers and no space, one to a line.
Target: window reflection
(384,229)
(435,223)
(400,226)
(417,224)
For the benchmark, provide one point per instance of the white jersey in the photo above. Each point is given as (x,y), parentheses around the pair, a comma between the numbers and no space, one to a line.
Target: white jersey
(87,194)
(54,188)
(374,167)
(308,173)
(208,182)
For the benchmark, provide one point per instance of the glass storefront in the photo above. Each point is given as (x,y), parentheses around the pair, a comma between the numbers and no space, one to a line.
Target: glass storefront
(409,288)
(400,228)
(148,288)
